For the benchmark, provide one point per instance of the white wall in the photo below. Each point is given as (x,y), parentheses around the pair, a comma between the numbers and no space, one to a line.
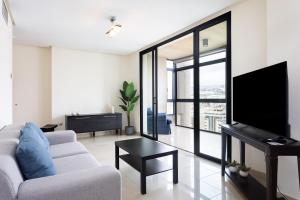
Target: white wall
(5,71)
(249,51)
(61,81)
(131,72)
(31,84)
(283,45)
(85,82)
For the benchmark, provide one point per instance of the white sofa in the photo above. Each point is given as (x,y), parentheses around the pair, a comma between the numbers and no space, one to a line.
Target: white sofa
(79,176)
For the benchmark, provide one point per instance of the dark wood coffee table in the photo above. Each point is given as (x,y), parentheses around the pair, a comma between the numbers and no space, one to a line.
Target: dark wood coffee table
(142,156)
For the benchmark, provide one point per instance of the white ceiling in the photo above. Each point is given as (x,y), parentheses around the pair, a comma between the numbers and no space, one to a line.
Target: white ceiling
(81,24)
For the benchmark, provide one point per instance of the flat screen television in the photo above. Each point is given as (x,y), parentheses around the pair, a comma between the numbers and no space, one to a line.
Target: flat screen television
(260,99)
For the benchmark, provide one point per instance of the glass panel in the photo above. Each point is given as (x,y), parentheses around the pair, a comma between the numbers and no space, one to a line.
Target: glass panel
(147,95)
(185,84)
(180,51)
(185,114)
(210,144)
(212,81)
(213,41)
(170,64)
(170,84)
(176,51)
(212,115)
(185,63)
(213,56)
(170,108)
(162,89)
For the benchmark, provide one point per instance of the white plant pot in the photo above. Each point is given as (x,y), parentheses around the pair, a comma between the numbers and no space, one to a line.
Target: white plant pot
(233,169)
(243,173)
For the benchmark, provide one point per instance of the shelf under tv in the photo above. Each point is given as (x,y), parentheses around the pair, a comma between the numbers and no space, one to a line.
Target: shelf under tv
(250,187)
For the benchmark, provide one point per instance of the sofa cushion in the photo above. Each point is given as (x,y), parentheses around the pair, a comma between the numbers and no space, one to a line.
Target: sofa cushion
(40,132)
(10,133)
(12,127)
(66,149)
(60,137)
(74,163)
(10,174)
(32,156)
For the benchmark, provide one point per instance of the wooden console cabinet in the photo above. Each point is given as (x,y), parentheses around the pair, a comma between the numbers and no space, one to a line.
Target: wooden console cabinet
(94,122)
(257,138)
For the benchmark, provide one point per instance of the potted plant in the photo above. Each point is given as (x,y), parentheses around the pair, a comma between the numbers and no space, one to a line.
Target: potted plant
(244,170)
(129,97)
(233,166)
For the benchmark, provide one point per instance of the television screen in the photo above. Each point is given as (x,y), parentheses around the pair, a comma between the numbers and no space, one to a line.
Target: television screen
(260,99)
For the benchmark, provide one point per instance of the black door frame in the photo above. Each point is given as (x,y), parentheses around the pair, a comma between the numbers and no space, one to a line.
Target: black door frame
(153,51)
(196,30)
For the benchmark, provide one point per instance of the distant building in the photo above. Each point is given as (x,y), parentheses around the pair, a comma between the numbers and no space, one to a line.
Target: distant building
(212,116)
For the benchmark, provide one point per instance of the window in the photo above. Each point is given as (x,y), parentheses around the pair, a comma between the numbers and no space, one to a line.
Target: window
(170,77)
(213,56)
(170,108)
(212,116)
(185,84)
(170,64)
(185,63)
(170,87)
(212,81)
(185,114)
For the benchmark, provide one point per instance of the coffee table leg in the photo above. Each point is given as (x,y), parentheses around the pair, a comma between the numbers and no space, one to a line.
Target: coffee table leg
(117,156)
(143,177)
(175,167)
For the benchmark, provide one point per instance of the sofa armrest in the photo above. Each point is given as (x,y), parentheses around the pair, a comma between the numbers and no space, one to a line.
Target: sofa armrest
(60,137)
(103,182)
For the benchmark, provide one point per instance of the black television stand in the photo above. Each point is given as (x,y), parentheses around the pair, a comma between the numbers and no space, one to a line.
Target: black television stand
(280,141)
(257,138)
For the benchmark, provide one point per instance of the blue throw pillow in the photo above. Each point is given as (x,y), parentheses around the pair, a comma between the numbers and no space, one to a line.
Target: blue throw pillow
(40,132)
(32,156)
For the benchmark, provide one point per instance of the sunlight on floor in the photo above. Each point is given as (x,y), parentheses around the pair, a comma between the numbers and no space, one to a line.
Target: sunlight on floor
(183,138)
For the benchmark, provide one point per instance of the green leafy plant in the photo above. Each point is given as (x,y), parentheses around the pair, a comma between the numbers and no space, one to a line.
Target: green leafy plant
(244,168)
(233,164)
(129,98)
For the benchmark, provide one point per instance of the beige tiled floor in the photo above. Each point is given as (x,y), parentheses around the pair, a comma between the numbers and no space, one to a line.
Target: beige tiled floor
(198,178)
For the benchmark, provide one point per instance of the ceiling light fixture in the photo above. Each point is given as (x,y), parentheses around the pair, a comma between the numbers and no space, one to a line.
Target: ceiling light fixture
(114,29)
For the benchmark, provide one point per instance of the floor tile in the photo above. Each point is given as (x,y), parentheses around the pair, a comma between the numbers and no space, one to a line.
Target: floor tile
(198,178)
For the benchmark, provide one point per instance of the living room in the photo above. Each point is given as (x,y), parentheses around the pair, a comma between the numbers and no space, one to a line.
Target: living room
(64,60)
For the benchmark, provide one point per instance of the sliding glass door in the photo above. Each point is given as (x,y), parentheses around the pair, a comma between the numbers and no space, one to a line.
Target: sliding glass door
(186,88)
(148,82)
(214,87)
(176,106)
(212,82)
